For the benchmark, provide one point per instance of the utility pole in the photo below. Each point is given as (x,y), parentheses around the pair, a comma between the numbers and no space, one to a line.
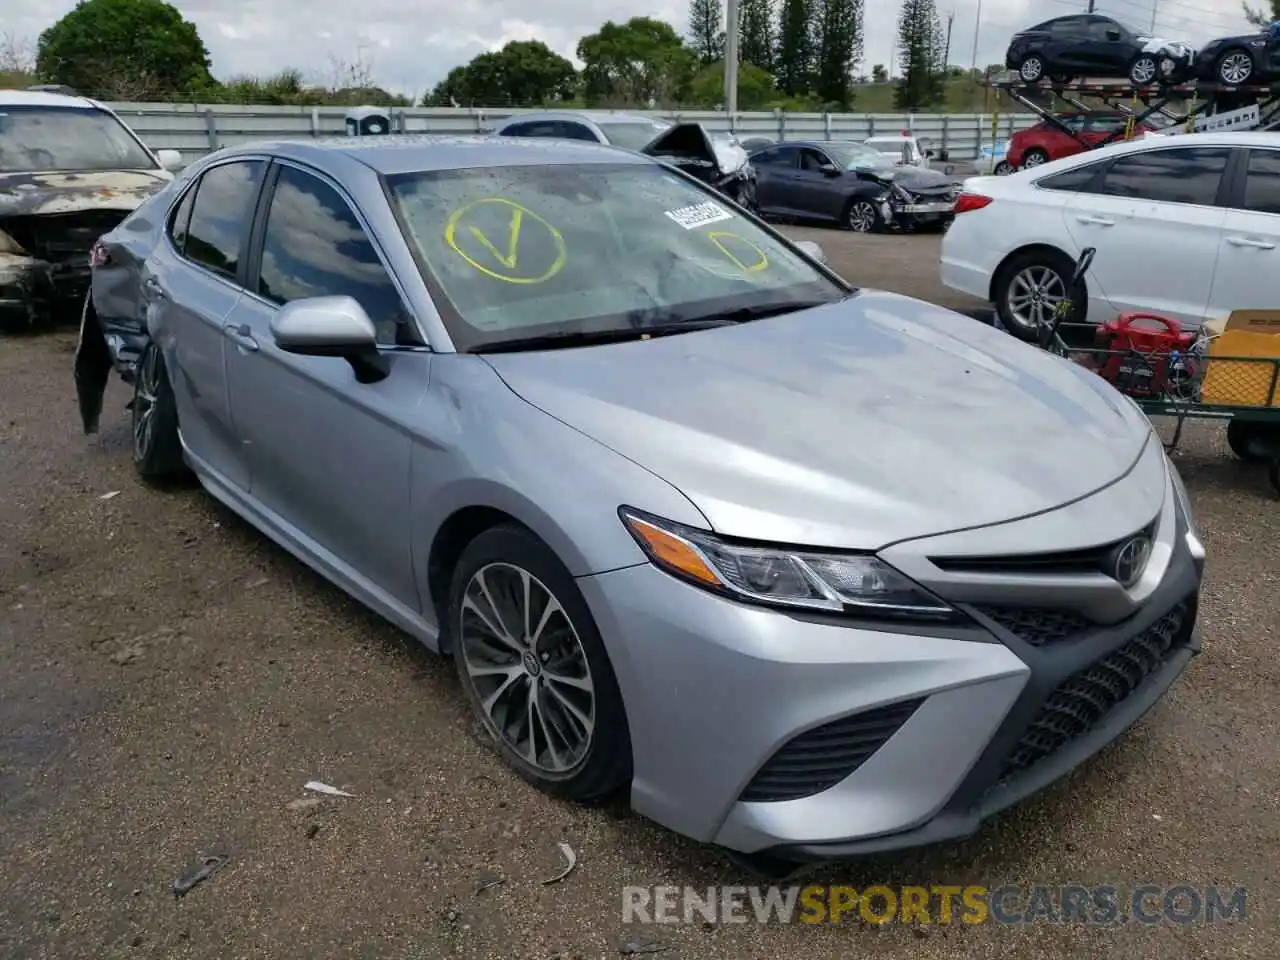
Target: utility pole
(1091,2)
(1154,5)
(946,50)
(731,59)
(977,26)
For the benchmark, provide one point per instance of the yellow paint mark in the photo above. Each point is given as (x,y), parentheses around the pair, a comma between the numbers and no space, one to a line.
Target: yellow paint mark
(719,238)
(514,242)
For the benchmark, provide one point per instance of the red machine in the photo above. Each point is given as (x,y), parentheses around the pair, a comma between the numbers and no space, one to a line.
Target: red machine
(1140,347)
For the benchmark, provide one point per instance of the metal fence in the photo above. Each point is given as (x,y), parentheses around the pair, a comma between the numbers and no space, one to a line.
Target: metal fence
(196,129)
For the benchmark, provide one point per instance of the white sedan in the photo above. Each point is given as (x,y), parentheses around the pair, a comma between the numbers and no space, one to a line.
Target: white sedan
(1186,227)
(904,150)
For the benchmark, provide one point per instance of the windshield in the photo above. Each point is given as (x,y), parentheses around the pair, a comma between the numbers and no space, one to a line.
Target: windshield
(893,146)
(632,136)
(66,139)
(524,251)
(852,155)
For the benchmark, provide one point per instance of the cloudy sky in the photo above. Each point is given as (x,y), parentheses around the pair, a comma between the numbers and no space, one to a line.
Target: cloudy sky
(411,44)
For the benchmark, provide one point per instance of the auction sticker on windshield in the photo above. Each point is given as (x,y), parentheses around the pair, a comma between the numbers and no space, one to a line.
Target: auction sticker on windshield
(699,214)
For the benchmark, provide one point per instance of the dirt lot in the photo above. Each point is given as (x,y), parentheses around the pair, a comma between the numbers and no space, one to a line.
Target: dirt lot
(171,681)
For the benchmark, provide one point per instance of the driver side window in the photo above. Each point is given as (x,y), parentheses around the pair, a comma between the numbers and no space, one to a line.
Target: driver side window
(812,160)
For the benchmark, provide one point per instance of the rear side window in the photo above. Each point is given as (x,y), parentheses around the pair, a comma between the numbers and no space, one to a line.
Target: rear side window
(224,202)
(179,220)
(1189,175)
(1076,180)
(574,131)
(517,130)
(778,157)
(1262,186)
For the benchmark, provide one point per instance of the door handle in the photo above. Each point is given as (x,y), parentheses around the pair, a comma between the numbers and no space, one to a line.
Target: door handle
(1249,242)
(1100,221)
(152,286)
(242,335)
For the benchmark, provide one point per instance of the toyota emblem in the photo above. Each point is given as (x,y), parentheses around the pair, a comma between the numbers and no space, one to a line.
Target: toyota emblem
(1131,560)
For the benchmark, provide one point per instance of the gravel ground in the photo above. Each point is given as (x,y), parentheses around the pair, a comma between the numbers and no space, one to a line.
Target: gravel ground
(171,680)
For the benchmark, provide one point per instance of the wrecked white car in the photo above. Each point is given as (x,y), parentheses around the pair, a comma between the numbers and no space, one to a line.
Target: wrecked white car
(70,170)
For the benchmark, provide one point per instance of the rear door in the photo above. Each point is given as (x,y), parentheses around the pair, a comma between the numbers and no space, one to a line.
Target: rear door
(776,181)
(1156,219)
(1068,45)
(1249,257)
(190,285)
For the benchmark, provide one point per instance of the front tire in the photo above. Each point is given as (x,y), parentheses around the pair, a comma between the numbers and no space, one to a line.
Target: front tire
(1028,289)
(1144,71)
(861,216)
(534,667)
(157,448)
(1003,169)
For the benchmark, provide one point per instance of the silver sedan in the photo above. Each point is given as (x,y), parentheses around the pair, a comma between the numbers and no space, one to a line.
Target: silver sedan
(808,570)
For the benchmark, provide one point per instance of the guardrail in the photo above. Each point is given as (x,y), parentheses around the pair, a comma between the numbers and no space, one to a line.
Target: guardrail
(197,129)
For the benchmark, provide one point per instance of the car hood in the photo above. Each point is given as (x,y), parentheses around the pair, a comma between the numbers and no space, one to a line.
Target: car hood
(1167,46)
(855,425)
(691,144)
(52,193)
(914,178)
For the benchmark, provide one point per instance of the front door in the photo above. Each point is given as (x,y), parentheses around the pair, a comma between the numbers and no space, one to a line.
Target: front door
(328,458)
(821,194)
(1156,222)
(189,288)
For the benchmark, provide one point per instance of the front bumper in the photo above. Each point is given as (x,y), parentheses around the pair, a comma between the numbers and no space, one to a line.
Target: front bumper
(34,292)
(733,709)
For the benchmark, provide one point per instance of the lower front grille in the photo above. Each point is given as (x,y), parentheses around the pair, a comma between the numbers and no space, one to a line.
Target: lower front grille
(1085,699)
(818,759)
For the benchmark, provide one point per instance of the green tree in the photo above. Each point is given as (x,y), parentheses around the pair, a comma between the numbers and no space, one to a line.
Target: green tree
(124,49)
(839,50)
(640,63)
(756,89)
(524,73)
(1261,17)
(756,33)
(794,62)
(920,45)
(879,74)
(706,36)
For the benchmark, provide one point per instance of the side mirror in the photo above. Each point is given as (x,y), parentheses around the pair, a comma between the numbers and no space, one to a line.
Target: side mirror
(331,327)
(1113,34)
(830,170)
(812,250)
(928,154)
(170,160)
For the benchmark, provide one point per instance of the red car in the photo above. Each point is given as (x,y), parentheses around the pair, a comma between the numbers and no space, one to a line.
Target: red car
(1046,141)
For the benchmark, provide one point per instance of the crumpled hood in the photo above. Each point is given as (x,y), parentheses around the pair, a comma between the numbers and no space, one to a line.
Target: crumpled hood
(854,425)
(1178,49)
(914,178)
(51,193)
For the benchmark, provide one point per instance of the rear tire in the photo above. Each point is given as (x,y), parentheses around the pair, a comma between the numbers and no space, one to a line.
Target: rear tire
(157,448)
(1236,64)
(1034,157)
(1031,69)
(1252,441)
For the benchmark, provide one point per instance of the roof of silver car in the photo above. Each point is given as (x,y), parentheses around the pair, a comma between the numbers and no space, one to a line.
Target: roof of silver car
(406,153)
(602,117)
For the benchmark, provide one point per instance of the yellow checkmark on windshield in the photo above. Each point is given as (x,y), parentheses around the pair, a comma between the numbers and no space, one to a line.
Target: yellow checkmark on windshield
(513,239)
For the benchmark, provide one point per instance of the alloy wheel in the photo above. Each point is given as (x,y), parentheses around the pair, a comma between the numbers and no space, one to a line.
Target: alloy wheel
(862,217)
(1034,295)
(1032,69)
(527,666)
(146,390)
(1034,158)
(1143,71)
(1235,68)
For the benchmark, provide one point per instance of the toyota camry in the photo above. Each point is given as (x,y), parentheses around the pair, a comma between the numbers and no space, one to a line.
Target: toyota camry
(806,570)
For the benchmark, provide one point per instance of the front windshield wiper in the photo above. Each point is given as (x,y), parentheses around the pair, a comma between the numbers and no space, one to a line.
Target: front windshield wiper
(582,338)
(760,310)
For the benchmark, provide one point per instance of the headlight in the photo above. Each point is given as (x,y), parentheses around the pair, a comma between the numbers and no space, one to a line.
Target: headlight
(780,576)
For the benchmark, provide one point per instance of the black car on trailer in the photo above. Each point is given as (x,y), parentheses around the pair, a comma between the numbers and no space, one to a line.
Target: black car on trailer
(1091,45)
(1249,59)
